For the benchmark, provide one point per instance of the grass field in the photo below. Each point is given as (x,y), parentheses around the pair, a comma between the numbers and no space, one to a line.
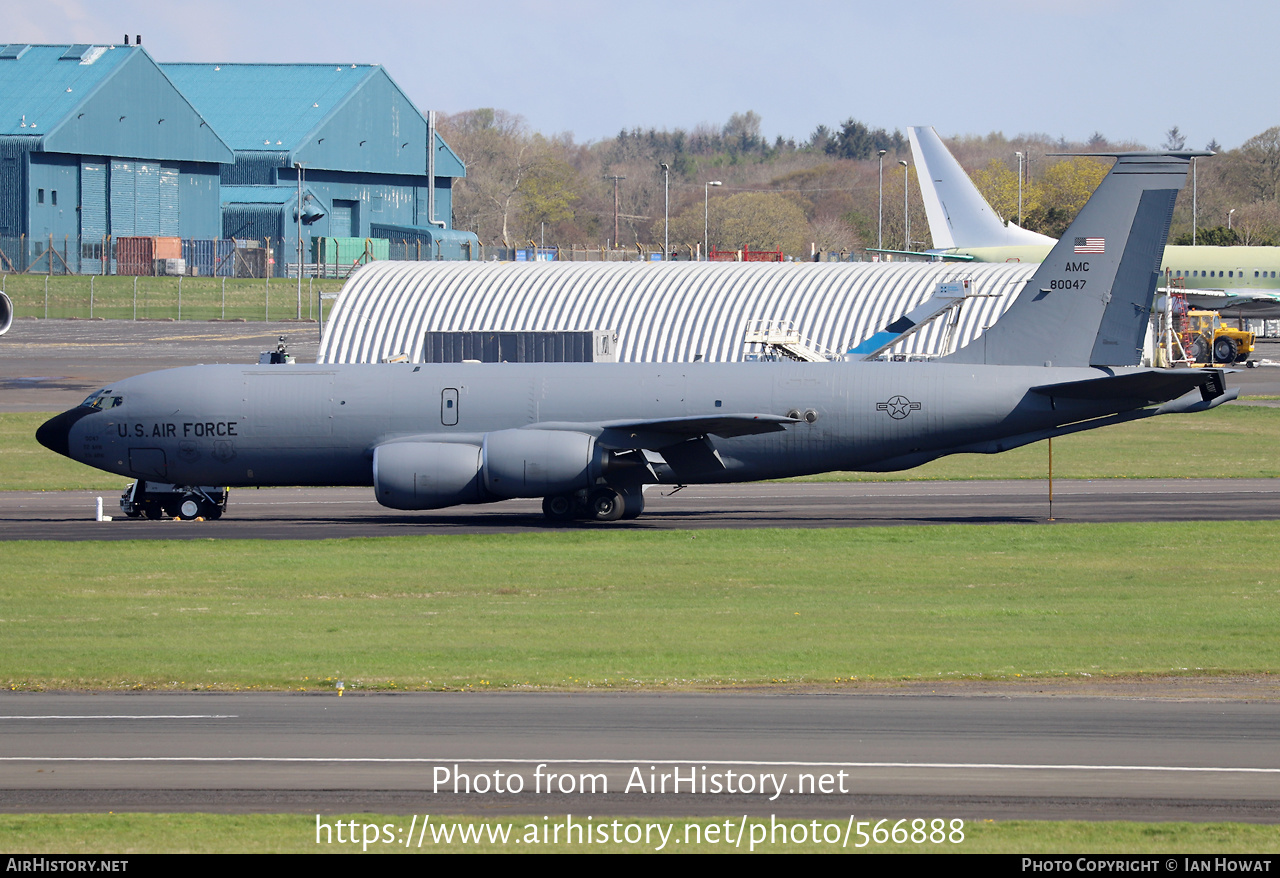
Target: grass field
(150,298)
(1232,441)
(293,833)
(704,610)
(619,610)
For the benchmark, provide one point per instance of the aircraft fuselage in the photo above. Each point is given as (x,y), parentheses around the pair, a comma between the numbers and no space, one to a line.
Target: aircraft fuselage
(319,425)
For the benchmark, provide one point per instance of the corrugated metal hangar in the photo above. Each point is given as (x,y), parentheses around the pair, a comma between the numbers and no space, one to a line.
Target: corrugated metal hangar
(100,141)
(661,312)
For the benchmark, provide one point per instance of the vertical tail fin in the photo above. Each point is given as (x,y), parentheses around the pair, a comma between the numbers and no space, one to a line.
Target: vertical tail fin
(958,215)
(1090,300)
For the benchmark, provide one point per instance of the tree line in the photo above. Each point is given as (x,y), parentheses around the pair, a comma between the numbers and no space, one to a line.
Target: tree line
(823,193)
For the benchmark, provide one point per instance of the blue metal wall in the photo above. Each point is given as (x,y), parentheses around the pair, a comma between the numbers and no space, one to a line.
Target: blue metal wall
(137,112)
(53,194)
(254,168)
(199,201)
(94,221)
(13,189)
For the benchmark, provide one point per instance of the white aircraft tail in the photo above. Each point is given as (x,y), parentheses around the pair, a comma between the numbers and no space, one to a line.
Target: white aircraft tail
(958,214)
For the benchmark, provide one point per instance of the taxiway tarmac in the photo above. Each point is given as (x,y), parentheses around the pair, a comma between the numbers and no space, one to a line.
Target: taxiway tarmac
(901,756)
(315,513)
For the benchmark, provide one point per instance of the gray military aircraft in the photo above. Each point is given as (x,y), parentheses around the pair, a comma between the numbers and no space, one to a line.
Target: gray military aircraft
(588,437)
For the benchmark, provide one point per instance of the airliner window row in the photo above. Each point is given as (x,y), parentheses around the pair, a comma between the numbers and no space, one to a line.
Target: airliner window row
(1259,274)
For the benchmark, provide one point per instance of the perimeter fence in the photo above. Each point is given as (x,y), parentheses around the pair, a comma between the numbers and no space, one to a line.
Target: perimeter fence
(167,298)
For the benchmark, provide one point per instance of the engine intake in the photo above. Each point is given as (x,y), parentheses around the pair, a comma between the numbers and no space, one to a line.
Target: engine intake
(426,475)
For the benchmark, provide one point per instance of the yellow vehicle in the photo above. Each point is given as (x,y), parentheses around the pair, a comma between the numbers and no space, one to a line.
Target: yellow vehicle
(1206,340)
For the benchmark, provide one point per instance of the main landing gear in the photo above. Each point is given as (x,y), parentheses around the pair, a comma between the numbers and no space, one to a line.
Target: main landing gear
(598,504)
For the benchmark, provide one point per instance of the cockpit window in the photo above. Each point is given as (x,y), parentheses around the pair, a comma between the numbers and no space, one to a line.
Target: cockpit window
(103,399)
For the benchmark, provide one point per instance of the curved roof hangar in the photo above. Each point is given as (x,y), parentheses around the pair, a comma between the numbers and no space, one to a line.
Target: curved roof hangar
(662,312)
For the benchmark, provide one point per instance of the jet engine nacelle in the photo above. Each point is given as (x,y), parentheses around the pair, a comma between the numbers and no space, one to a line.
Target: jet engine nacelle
(508,463)
(538,463)
(6,313)
(426,475)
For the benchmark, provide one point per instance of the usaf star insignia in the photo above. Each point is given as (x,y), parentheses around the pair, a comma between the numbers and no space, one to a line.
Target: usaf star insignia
(898,407)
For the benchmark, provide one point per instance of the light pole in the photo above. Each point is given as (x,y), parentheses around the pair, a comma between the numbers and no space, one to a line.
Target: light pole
(880,221)
(666,212)
(1020,158)
(298,167)
(1194,221)
(615,178)
(906,211)
(706,218)
(1231,211)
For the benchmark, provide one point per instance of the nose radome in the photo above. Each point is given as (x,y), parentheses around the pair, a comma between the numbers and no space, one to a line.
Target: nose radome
(55,433)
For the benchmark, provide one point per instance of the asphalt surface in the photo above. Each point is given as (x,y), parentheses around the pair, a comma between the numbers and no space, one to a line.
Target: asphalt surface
(1209,753)
(51,365)
(321,513)
(925,756)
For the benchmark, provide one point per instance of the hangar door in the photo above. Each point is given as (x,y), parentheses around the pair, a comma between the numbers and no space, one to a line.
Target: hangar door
(344,220)
(144,199)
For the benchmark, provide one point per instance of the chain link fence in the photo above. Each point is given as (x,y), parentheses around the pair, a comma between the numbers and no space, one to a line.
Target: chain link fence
(167,298)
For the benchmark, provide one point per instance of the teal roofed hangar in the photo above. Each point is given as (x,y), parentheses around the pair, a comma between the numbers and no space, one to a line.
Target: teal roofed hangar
(359,143)
(96,141)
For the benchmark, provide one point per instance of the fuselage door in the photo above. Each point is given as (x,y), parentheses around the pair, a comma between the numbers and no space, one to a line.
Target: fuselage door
(449,407)
(148,463)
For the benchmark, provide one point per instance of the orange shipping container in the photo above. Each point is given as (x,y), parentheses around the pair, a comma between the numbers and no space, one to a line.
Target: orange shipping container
(168,248)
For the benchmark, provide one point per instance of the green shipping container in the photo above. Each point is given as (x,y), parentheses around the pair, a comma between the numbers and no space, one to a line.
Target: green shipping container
(348,251)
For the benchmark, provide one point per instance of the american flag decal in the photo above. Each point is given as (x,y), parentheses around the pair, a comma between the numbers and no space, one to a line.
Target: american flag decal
(1091,245)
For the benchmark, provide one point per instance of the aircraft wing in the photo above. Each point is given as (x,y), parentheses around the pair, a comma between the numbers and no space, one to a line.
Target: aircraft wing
(664,432)
(1258,304)
(1153,385)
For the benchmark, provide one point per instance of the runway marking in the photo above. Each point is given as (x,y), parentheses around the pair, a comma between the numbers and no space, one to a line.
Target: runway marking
(132,716)
(412,760)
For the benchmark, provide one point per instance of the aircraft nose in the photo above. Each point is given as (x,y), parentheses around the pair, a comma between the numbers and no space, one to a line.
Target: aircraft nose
(55,433)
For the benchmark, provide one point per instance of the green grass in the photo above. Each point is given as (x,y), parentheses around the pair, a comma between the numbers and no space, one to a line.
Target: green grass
(152,298)
(1231,441)
(628,610)
(1227,442)
(123,834)
(26,465)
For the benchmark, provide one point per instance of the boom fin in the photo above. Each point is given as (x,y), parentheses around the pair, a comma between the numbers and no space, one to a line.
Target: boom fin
(1089,302)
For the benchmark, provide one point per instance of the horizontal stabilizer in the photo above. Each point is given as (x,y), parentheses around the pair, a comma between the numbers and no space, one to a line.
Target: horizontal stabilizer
(1153,385)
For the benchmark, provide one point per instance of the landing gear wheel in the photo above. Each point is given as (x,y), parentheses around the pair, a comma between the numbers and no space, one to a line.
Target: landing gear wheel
(1225,350)
(558,507)
(605,504)
(193,506)
(152,511)
(632,504)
